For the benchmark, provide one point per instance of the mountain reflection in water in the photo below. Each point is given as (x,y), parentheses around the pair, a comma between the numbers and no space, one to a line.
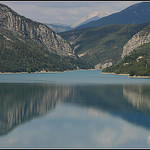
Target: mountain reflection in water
(22,102)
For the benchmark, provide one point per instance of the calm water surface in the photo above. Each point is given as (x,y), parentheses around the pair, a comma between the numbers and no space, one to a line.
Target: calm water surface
(79,109)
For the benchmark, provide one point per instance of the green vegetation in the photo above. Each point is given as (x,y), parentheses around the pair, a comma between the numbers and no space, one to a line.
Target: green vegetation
(18,54)
(21,52)
(101,44)
(137,63)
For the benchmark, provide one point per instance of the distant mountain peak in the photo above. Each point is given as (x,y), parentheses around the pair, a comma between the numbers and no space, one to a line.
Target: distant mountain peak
(134,14)
(90,17)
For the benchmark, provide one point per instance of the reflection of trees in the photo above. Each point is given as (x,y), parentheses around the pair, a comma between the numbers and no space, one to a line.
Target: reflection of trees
(138,96)
(22,102)
(111,99)
(104,97)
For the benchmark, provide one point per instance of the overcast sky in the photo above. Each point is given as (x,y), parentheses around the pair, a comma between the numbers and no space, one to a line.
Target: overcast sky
(64,12)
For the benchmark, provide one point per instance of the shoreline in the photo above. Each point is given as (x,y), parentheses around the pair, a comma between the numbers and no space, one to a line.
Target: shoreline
(115,73)
(147,77)
(44,71)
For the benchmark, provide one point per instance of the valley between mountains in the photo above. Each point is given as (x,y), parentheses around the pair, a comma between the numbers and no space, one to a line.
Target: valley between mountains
(121,47)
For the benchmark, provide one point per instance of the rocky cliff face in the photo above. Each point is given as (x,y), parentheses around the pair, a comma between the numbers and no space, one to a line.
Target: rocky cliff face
(22,26)
(137,40)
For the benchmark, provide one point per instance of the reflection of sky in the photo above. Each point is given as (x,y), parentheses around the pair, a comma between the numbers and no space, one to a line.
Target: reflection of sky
(88,116)
(71,126)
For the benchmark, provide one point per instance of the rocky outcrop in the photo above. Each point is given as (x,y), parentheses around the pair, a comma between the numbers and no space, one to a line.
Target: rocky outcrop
(102,66)
(24,27)
(137,40)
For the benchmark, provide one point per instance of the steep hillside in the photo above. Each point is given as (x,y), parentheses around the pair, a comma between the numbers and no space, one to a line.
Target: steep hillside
(137,40)
(102,46)
(28,46)
(19,54)
(135,14)
(40,33)
(136,64)
(136,56)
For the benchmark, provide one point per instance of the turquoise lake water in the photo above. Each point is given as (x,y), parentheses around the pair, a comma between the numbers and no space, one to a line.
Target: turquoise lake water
(75,109)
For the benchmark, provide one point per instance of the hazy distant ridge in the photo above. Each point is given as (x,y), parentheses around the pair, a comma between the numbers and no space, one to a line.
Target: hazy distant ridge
(135,14)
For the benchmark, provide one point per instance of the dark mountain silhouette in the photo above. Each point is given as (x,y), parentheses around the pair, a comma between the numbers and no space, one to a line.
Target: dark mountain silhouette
(135,14)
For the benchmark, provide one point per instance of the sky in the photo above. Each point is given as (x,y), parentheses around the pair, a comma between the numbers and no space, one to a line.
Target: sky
(65,12)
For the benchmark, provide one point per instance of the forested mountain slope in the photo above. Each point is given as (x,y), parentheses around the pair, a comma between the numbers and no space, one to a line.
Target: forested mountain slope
(135,56)
(102,46)
(29,46)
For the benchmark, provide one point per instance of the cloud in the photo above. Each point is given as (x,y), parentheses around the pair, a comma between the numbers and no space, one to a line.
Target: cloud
(71,126)
(68,12)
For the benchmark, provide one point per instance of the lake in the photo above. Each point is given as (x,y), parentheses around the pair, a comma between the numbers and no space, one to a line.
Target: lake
(74,109)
